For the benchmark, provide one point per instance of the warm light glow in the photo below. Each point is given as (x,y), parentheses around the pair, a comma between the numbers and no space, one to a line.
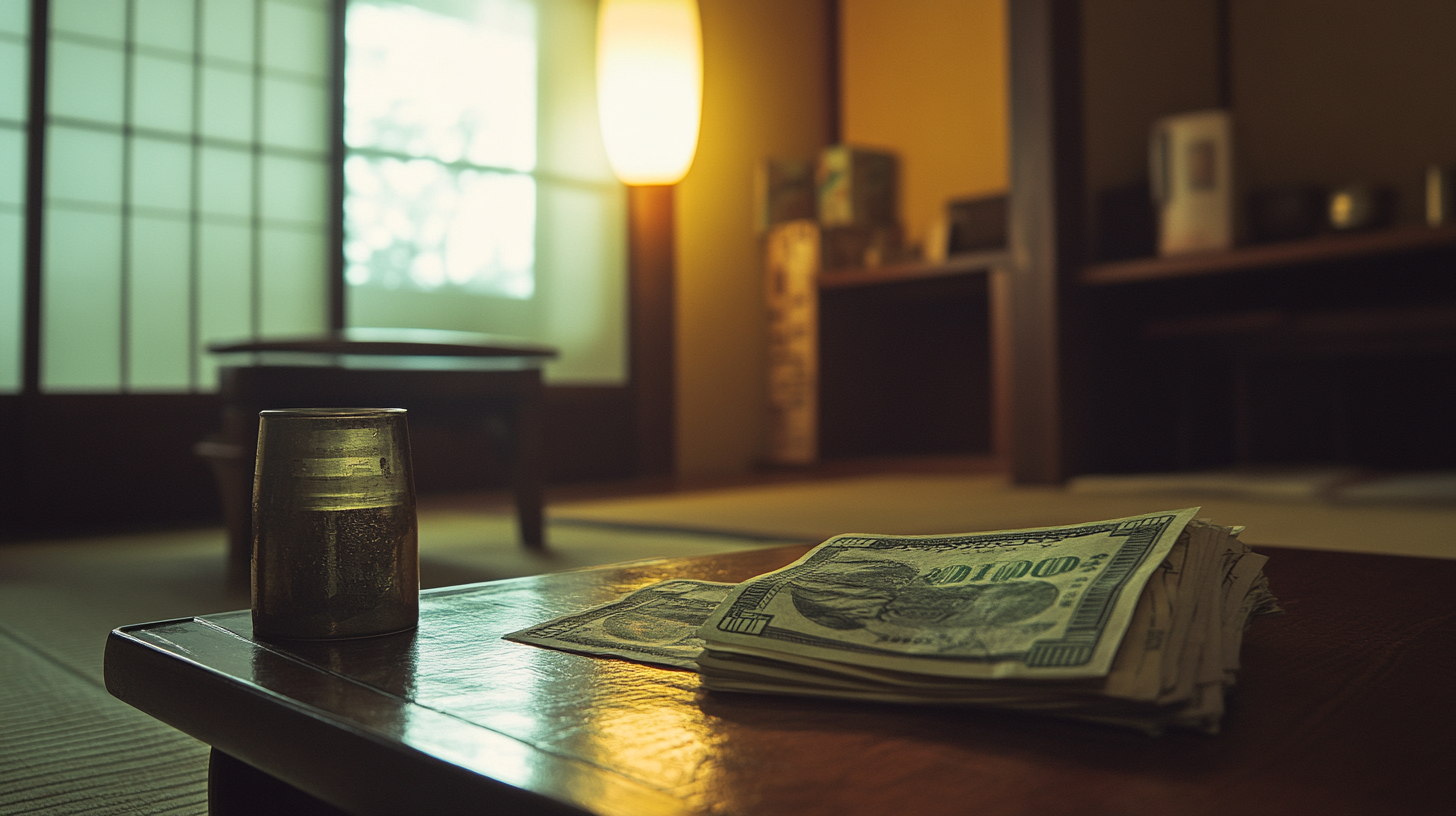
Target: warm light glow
(649,87)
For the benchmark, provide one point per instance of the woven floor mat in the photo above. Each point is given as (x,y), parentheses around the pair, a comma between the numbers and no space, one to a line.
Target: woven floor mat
(911,504)
(66,746)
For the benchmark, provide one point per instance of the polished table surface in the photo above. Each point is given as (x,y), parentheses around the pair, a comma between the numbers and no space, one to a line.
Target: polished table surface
(1344,705)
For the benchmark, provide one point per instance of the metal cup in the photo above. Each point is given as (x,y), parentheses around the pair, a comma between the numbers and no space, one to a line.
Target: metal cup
(335,541)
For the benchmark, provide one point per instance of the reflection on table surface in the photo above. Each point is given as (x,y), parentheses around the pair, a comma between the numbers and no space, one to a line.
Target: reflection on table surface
(608,733)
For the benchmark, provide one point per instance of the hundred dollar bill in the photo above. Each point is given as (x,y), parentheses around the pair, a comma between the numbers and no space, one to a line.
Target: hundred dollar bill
(1046,603)
(656,624)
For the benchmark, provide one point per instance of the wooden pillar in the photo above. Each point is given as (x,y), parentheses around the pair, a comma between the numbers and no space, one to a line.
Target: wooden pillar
(651,314)
(1047,226)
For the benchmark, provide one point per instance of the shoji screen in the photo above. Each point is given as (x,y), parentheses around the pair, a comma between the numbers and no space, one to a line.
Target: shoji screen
(14,81)
(186,185)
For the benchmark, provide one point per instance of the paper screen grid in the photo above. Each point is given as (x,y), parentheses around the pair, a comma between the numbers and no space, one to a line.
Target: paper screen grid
(186,186)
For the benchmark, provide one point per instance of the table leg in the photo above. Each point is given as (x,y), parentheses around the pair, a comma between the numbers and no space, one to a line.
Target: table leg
(235,788)
(232,468)
(528,469)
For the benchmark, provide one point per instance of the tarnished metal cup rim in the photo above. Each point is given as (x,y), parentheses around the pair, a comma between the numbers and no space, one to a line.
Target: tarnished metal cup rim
(330,413)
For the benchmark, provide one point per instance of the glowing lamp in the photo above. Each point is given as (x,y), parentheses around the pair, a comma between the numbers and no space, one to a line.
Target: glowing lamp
(649,87)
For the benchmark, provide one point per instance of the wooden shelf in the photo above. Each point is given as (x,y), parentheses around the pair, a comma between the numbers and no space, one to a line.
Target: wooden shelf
(1324,248)
(1436,319)
(964,264)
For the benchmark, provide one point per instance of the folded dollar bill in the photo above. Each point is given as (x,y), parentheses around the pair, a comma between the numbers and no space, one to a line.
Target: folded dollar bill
(656,624)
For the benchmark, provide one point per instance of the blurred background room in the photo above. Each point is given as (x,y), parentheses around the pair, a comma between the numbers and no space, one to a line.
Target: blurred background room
(929,266)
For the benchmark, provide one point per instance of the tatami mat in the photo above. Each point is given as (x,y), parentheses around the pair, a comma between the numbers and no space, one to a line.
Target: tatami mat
(948,503)
(67,747)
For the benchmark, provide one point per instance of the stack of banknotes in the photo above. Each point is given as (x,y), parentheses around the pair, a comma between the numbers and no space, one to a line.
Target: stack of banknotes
(1134,621)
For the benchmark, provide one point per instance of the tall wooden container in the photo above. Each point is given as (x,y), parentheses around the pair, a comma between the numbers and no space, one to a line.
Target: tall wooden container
(792,266)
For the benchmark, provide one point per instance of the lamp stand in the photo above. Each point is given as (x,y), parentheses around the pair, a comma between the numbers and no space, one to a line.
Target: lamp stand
(651,295)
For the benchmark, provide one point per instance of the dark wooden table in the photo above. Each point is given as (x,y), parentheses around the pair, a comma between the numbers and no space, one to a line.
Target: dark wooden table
(1344,706)
(490,383)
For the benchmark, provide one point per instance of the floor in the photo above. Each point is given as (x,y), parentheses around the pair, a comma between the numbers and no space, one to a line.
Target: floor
(1291,509)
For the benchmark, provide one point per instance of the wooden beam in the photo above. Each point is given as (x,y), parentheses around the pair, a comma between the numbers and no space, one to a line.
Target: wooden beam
(35,194)
(1046,232)
(338,292)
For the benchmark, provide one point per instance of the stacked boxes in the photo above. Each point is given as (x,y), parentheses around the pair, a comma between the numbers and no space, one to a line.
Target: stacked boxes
(857,207)
(784,191)
(856,187)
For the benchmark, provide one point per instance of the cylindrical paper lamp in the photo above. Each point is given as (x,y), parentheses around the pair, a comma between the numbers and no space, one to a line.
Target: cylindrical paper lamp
(649,87)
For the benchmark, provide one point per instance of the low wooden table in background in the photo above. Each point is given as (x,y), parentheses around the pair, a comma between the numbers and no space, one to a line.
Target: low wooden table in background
(1343,706)
(493,382)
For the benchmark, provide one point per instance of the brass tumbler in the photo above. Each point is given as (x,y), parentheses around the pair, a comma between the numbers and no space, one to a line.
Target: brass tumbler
(335,541)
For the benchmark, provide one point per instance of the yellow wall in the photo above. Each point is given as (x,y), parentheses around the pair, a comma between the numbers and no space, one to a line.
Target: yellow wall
(927,79)
(765,80)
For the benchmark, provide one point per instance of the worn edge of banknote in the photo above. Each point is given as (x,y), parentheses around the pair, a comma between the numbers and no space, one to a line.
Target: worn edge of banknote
(586,632)
(1080,643)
